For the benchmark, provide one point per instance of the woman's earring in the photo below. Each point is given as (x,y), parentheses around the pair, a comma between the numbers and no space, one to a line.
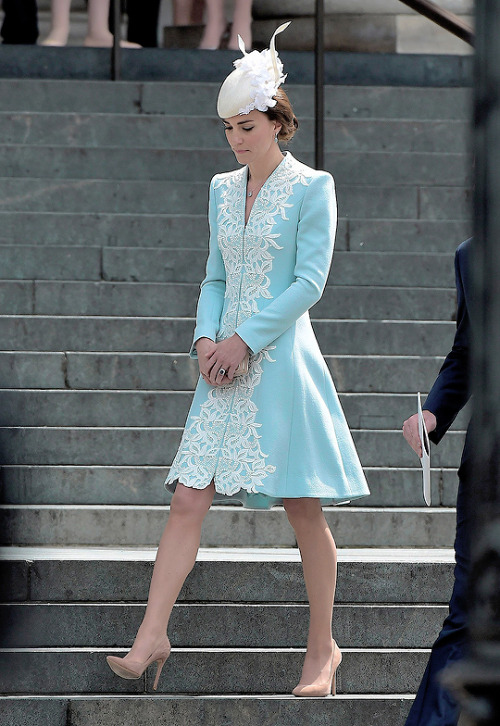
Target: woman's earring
(276,138)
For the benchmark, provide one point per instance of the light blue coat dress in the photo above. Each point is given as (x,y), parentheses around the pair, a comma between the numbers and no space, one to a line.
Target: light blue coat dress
(278,431)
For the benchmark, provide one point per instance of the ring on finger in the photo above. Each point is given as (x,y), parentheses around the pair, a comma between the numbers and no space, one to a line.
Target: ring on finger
(222,372)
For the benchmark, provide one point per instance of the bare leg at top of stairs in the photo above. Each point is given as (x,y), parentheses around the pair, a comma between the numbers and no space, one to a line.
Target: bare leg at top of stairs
(98,34)
(216,24)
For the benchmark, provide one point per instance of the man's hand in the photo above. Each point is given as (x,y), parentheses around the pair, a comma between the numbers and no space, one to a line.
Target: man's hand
(410,430)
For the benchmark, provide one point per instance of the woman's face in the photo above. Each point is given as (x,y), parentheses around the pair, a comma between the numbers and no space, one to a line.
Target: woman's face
(251,136)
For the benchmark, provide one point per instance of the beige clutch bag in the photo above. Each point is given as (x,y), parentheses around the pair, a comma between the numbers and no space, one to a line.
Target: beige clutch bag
(242,369)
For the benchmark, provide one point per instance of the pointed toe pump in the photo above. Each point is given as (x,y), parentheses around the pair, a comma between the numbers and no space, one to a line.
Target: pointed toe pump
(320,690)
(134,669)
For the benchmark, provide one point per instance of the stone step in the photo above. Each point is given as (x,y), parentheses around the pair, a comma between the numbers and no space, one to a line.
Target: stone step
(237,575)
(178,230)
(195,99)
(126,131)
(206,671)
(116,163)
(153,197)
(30,408)
(179,299)
(391,710)
(136,485)
(142,230)
(176,371)
(40,625)
(130,446)
(104,334)
(117,526)
(132,264)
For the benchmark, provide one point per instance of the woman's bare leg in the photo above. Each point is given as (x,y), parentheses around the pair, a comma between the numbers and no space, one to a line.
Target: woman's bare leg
(319,561)
(215,25)
(242,24)
(182,12)
(174,561)
(59,23)
(98,33)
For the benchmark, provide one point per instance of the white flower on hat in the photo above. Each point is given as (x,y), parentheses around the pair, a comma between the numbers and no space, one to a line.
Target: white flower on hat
(253,84)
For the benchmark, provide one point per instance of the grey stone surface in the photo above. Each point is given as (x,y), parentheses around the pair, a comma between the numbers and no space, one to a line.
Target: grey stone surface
(28,711)
(120,230)
(14,581)
(122,299)
(153,265)
(223,711)
(407,235)
(32,370)
(352,337)
(209,672)
(222,581)
(16,298)
(65,96)
(88,446)
(27,262)
(381,202)
(223,527)
(213,626)
(374,374)
(83,485)
(160,131)
(46,333)
(445,203)
(95,195)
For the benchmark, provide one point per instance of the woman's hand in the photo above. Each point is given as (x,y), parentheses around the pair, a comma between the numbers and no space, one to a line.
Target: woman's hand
(204,348)
(410,430)
(226,356)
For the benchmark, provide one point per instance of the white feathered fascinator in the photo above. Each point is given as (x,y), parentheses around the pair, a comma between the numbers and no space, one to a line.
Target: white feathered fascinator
(254,82)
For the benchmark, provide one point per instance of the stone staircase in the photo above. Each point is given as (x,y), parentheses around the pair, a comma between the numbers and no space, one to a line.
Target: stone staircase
(103,194)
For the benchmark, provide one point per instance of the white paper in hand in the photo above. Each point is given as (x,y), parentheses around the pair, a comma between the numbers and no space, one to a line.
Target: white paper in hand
(426,454)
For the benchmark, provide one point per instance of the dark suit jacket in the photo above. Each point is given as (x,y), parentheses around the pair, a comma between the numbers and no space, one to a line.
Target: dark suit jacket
(451,389)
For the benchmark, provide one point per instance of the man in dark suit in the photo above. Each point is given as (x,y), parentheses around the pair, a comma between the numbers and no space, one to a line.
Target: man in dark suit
(433,705)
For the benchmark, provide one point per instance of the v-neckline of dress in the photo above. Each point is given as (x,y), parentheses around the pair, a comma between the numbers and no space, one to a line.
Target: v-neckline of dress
(246,221)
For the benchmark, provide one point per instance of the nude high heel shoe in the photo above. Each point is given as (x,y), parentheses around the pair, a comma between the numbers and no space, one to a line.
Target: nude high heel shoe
(320,690)
(134,669)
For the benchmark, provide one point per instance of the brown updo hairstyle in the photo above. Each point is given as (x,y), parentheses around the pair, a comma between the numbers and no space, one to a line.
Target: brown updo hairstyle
(284,115)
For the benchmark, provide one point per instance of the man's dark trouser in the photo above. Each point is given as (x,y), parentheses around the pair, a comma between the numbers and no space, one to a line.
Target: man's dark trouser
(433,705)
(20,24)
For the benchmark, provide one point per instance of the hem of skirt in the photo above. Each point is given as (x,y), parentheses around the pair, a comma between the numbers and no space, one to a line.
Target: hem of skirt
(260,500)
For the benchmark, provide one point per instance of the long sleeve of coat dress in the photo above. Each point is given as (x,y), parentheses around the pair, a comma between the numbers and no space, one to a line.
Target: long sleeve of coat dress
(315,241)
(213,287)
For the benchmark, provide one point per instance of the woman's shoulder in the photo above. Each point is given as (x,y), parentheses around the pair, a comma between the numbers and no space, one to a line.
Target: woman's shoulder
(309,174)
(226,177)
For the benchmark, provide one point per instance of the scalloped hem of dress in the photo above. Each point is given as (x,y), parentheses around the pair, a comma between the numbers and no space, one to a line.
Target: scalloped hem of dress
(258,500)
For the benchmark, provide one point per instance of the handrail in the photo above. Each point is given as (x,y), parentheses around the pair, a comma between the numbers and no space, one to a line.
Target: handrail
(116,55)
(445,18)
(319,86)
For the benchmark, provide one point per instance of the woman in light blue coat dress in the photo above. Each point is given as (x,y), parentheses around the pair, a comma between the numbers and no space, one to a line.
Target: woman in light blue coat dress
(275,434)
